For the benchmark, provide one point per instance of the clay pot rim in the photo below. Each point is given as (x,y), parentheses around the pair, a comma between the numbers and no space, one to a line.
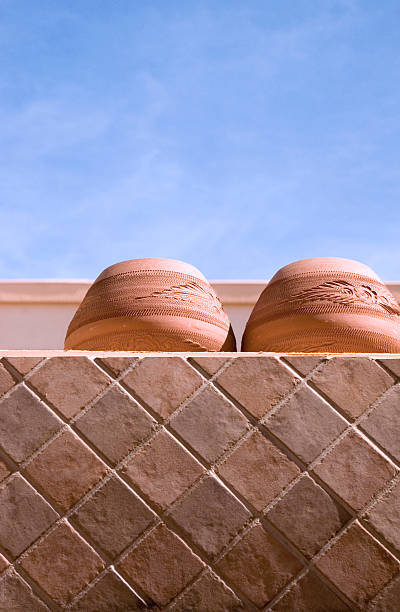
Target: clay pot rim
(150,264)
(324,264)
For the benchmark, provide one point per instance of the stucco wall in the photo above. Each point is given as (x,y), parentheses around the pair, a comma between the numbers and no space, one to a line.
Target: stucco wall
(202,482)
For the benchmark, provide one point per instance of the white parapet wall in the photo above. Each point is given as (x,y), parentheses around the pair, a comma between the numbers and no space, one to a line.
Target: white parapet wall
(36,314)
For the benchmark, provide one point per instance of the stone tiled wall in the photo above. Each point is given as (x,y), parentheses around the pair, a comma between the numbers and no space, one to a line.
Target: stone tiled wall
(205,483)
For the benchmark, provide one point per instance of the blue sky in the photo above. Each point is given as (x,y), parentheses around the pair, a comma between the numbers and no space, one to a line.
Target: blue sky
(234,135)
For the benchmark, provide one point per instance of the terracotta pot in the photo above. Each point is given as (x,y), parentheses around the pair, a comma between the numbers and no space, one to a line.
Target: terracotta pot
(150,305)
(324,304)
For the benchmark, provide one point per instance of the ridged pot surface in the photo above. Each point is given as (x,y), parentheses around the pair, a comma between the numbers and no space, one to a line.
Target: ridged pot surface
(150,305)
(324,304)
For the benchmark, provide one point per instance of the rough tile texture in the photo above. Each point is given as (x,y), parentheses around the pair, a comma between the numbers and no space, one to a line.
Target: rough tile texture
(258,470)
(210,424)
(62,564)
(25,424)
(352,383)
(113,516)
(163,383)
(162,470)
(385,517)
(358,566)
(66,470)
(259,566)
(355,471)
(383,424)
(308,516)
(210,516)
(258,384)
(115,424)
(306,424)
(69,383)
(208,510)
(24,516)
(161,564)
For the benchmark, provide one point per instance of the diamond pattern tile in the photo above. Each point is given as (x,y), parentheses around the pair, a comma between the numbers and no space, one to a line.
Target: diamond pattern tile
(208,593)
(385,517)
(358,565)
(179,524)
(308,516)
(210,424)
(6,380)
(383,423)
(210,516)
(161,564)
(164,383)
(310,594)
(62,564)
(109,594)
(66,470)
(24,516)
(258,383)
(115,424)
(162,470)
(25,424)
(69,383)
(113,517)
(352,383)
(258,470)
(259,566)
(16,595)
(306,424)
(355,471)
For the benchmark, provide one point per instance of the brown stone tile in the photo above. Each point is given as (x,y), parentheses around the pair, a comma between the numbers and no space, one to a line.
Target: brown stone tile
(66,470)
(310,594)
(211,365)
(109,594)
(17,596)
(6,380)
(161,565)
(385,517)
(113,517)
(354,462)
(24,364)
(303,363)
(306,424)
(163,383)
(388,600)
(69,383)
(208,593)
(3,563)
(353,383)
(4,471)
(210,516)
(25,424)
(308,516)
(24,516)
(357,565)
(258,383)
(392,364)
(383,423)
(117,364)
(115,424)
(62,564)
(259,566)
(210,424)
(163,470)
(258,470)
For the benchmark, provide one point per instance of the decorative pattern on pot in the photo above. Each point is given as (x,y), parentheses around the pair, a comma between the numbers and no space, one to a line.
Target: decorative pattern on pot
(150,305)
(324,304)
